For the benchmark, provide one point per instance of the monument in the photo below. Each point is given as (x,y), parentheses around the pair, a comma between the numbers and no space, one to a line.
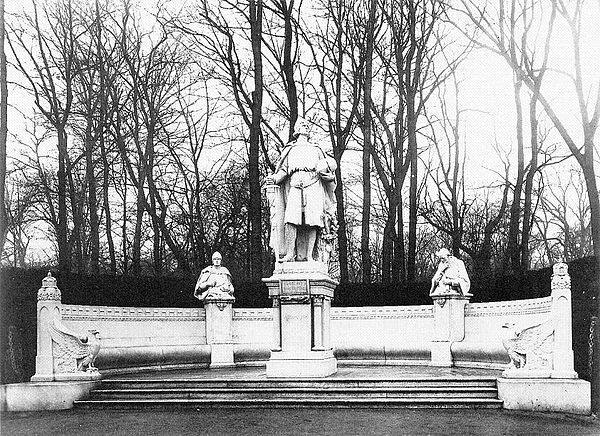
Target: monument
(450,287)
(303,225)
(215,289)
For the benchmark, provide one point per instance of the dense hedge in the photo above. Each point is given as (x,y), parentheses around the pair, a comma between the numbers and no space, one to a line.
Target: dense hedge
(19,288)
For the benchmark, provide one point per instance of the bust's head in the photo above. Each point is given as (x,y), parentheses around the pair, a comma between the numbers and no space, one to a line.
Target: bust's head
(216,259)
(442,254)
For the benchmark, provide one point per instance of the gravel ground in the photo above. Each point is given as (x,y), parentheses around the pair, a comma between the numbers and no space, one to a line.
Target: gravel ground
(296,422)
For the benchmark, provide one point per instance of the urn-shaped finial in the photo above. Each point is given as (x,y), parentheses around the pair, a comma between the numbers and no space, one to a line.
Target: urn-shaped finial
(49,290)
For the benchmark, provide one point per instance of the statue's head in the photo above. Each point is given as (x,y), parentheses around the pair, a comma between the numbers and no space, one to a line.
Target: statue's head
(442,253)
(302,127)
(217,258)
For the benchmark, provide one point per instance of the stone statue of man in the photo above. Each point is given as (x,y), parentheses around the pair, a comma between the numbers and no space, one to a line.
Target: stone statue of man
(214,281)
(451,276)
(306,179)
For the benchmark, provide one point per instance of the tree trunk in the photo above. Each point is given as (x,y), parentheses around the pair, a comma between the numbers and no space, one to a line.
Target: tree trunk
(387,250)
(62,238)
(513,253)
(288,66)
(527,212)
(92,200)
(365,249)
(342,231)
(399,263)
(255,203)
(413,201)
(136,265)
(3,130)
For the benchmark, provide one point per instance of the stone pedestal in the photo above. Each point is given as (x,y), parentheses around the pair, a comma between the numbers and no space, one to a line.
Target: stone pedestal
(449,326)
(301,294)
(219,333)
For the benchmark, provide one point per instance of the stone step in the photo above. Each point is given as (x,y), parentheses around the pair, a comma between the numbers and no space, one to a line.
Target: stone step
(276,393)
(158,383)
(448,402)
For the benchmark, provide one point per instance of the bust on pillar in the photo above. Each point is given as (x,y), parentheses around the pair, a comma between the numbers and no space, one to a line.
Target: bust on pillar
(303,226)
(215,289)
(450,287)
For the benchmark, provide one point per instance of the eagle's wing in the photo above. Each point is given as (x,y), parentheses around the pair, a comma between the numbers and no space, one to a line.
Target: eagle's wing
(532,337)
(68,342)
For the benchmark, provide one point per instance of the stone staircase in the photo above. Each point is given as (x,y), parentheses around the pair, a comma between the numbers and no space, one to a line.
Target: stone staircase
(414,392)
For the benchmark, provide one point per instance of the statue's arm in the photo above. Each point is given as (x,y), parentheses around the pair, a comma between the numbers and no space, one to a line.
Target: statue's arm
(203,282)
(278,177)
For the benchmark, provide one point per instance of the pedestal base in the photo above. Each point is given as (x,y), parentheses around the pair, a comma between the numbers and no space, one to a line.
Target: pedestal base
(545,395)
(301,294)
(221,356)
(441,354)
(315,364)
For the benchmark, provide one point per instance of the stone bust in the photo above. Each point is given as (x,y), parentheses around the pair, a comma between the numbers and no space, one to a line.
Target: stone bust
(451,276)
(214,281)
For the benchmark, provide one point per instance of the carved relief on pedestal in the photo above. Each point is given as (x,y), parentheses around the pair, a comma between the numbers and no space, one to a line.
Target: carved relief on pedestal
(530,348)
(294,299)
(73,352)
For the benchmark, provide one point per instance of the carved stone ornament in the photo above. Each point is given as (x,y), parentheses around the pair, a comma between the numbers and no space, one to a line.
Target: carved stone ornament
(441,301)
(530,348)
(49,291)
(560,277)
(73,352)
(222,305)
(318,300)
(294,299)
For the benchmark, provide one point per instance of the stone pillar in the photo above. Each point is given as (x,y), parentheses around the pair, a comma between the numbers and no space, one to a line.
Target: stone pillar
(449,326)
(48,309)
(301,294)
(219,329)
(562,356)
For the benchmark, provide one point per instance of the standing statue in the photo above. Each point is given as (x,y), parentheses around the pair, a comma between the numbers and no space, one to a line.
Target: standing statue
(214,281)
(303,205)
(451,276)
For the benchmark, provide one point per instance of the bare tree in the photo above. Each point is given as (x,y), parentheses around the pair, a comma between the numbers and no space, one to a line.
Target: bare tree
(51,54)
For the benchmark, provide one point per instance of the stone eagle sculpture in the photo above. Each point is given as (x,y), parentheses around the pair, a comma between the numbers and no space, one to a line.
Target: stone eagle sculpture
(73,352)
(530,348)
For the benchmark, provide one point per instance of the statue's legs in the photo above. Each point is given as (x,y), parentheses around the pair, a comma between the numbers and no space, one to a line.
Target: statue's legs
(291,232)
(312,239)
(305,242)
